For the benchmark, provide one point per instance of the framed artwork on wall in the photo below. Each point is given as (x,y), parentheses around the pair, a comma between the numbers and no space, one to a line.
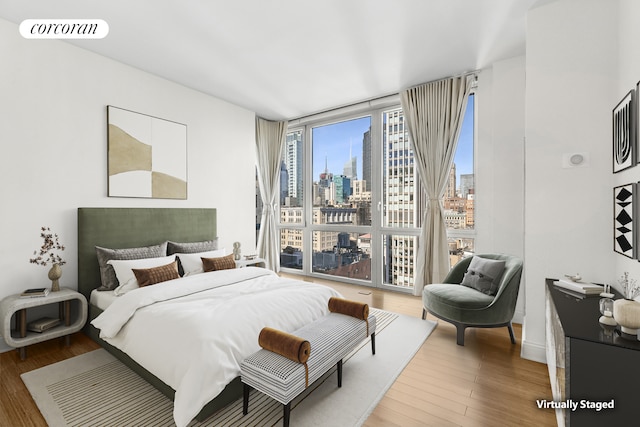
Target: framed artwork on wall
(624,135)
(624,214)
(147,156)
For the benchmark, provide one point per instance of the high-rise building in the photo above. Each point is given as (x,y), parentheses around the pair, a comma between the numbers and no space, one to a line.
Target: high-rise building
(293,159)
(366,157)
(350,169)
(466,184)
(402,199)
(342,188)
(450,191)
(284,183)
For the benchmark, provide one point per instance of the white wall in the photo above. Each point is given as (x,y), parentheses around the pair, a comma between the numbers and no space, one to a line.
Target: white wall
(570,91)
(628,76)
(54,150)
(500,162)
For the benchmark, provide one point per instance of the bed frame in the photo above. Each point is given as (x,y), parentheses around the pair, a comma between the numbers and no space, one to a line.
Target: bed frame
(135,227)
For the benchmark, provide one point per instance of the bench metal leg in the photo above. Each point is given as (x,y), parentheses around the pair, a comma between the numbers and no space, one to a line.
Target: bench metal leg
(340,373)
(373,343)
(245,398)
(287,414)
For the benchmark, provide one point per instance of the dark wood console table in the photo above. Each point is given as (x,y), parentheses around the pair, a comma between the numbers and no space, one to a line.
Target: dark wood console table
(589,362)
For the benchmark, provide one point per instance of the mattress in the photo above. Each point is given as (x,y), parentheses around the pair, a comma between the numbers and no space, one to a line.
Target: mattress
(102,299)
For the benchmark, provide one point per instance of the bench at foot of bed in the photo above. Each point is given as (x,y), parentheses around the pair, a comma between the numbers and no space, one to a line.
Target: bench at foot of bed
(331,337)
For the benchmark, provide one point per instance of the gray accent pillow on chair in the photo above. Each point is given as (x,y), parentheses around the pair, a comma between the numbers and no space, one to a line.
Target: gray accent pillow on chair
(108,274)
(484,275)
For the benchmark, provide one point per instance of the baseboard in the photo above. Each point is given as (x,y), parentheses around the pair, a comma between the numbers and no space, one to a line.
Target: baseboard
(533,351)
(518,317)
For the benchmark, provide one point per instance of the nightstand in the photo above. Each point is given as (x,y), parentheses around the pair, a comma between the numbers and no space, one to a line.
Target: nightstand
(20,338)
(255,262)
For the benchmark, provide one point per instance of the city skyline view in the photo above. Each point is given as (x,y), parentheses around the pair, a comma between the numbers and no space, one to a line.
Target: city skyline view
(342,198)
(329,143)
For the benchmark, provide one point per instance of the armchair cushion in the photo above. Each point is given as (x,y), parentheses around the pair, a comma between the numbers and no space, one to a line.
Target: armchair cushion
(484,275)
(447,297)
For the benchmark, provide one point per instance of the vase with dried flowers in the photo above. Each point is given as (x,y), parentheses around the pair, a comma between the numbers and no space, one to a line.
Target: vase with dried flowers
(49,253)
(627,311)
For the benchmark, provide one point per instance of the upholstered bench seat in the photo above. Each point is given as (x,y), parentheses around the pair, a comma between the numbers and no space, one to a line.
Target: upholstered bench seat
(331,337)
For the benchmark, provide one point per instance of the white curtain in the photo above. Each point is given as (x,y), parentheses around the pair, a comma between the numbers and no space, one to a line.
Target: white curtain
(433,113)
(270,137)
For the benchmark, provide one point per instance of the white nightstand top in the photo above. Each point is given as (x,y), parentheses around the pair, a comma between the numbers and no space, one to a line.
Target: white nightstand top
(258,262)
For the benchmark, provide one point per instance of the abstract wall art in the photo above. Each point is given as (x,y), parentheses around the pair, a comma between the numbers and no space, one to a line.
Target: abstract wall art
(624,213)
(624,135)
(147,156)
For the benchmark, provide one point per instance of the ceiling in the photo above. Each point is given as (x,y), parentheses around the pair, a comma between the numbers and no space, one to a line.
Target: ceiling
(285,59)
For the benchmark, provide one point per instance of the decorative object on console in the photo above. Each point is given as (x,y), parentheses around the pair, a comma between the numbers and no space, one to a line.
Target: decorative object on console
(606,308)
(580,287)
(147,156)
(237,251)
(55,273)
(630,287)
(574,278)
(47,254)
(627,311)
(624,124)
(623,220)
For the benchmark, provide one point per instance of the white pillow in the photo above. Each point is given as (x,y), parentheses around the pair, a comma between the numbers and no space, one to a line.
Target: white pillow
(192,263)
(124,271)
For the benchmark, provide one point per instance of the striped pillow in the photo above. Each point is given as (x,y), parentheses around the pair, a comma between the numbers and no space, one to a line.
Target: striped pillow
(151,276)
(220,263)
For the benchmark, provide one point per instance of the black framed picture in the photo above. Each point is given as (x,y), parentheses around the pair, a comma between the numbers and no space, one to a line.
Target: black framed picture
(624,135)
(624,213)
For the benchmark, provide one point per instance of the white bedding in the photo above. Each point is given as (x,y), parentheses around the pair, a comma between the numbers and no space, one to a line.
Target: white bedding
(193,332)
(102,299)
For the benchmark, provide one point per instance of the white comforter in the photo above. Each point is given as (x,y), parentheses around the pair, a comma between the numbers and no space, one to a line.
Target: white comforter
(194,332)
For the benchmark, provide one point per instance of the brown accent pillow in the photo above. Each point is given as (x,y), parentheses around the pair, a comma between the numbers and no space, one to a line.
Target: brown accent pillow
(221,263)
(151,276)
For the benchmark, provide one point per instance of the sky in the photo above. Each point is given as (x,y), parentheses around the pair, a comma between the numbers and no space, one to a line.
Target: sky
(464,154)
(333,142)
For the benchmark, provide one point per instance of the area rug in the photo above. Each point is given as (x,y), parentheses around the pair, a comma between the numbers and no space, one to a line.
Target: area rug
(97,389)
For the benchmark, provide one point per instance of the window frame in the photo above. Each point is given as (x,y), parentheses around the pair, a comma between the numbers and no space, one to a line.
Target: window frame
(375,109)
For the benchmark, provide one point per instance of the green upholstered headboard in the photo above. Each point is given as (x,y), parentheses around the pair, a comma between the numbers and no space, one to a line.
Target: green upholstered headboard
(117,228)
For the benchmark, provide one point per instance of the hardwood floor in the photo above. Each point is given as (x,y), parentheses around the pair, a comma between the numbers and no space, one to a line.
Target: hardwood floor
(484,383)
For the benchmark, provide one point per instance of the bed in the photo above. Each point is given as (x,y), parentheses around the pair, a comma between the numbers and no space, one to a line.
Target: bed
(136,227)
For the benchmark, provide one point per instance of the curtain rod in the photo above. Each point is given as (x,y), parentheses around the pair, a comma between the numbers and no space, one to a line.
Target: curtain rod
(358,106)
(465,74)
(378,102)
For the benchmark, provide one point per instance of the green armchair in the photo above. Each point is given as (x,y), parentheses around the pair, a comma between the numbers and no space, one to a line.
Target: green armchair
(467,307)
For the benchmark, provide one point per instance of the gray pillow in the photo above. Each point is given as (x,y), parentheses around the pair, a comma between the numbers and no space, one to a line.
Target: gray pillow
(191,247)
(484,275)
(107,273)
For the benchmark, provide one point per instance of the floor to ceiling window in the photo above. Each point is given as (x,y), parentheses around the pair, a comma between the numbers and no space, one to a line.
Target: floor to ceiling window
(351,203)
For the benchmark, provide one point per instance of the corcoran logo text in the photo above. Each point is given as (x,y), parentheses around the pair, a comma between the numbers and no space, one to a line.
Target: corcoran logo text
(64,29)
